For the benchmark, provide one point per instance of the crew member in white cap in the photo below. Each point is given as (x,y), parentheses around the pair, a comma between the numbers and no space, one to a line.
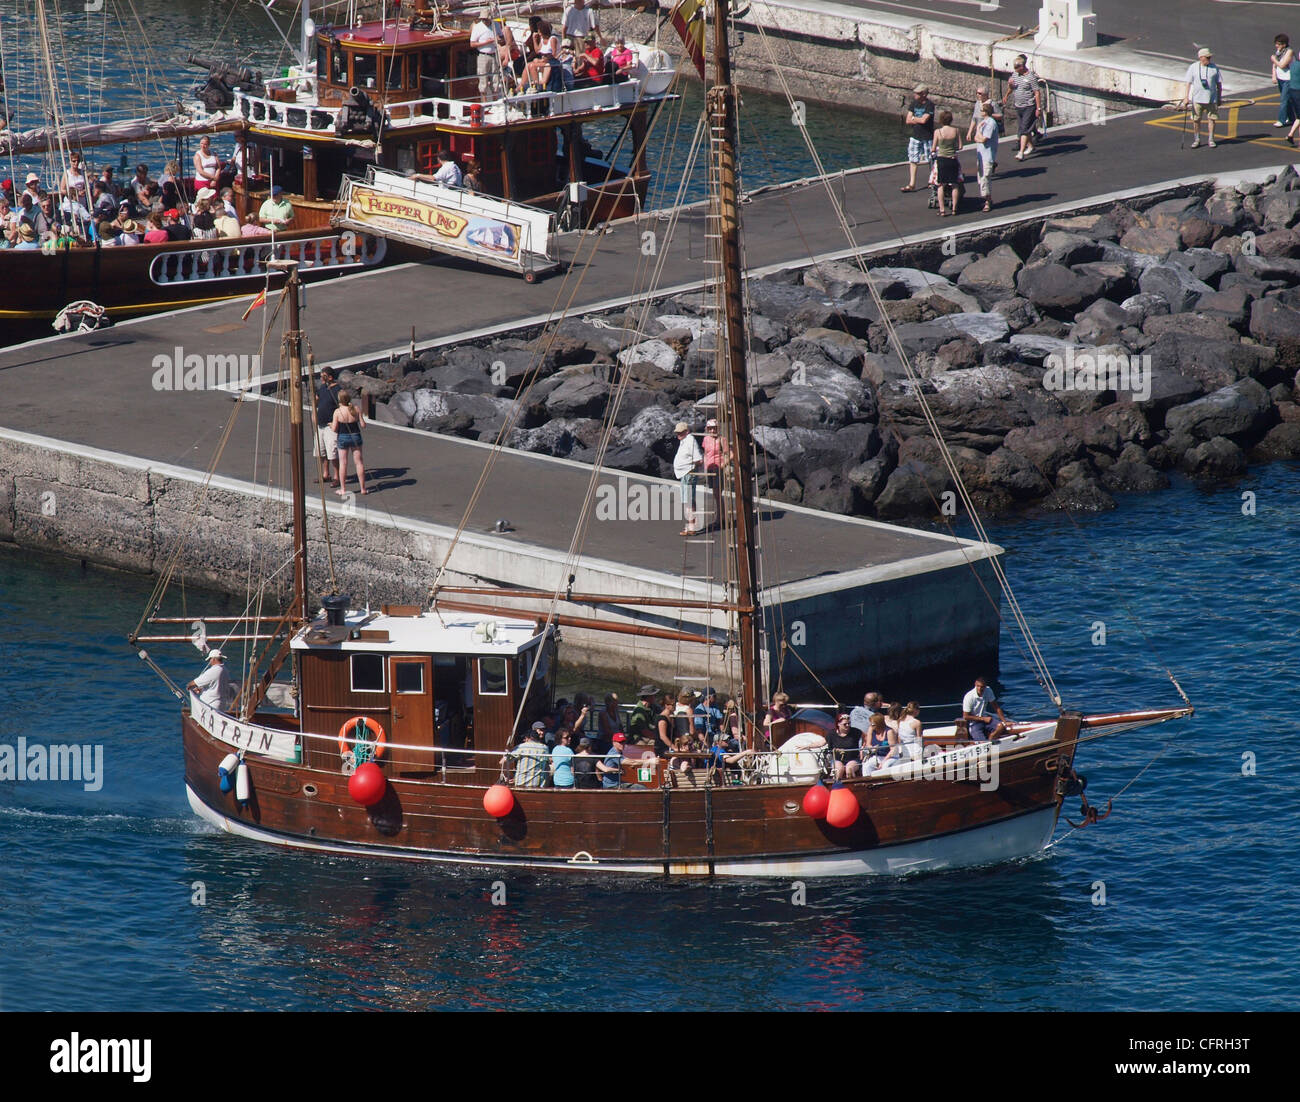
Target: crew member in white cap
(483,40)
(1204,94)
(686,466)
(213,684)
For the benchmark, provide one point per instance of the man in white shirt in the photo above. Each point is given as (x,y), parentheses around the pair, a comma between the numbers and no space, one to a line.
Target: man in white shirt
(213,684)
(483,40)
(686,464)
(1204,94)
(975,707)
(580,21)
(448,174)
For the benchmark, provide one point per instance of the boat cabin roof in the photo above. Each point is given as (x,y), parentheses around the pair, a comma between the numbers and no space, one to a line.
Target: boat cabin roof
(390,34)
(461,633)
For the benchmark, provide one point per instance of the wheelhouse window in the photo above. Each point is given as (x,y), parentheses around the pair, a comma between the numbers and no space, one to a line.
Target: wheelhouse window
(365,69)
(367,673)
(394,72)
(338,67)
(323,59)
(492,679)
(408,677)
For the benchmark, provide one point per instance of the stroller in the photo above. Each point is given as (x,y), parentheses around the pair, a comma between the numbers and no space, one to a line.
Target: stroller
(934,186)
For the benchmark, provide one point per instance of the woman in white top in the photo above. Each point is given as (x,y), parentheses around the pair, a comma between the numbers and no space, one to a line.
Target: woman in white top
(207,165)
(986,147)
(74,175)
(909,731)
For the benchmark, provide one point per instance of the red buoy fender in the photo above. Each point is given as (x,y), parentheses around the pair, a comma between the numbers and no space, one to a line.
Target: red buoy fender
(498,801)
(816,800)
(842,809)
(367,785)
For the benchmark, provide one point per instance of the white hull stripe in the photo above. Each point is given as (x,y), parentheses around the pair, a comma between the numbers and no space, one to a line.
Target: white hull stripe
(1004,841)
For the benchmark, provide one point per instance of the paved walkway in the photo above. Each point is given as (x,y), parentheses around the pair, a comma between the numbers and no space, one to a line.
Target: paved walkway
(95,390)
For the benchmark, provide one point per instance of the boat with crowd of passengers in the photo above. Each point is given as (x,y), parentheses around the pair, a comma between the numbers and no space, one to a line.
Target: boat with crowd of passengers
(389,94)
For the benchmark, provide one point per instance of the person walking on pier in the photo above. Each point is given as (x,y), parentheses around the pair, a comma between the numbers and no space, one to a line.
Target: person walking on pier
(1022,91)
(347,424)
(326,449)
(1281,60)
(920,117)
(1204,94)
(947,140)
(986,149)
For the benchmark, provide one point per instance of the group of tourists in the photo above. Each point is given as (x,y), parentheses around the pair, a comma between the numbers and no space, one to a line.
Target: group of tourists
(81,209)
(936,142)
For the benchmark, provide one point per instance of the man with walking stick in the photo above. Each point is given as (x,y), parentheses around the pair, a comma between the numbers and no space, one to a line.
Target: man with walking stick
(1204,94)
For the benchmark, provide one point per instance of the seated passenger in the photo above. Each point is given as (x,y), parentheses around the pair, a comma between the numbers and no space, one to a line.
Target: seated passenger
(845,744)
(562,756)
(156,235)
(26,238)
(589,66)
(776,723)
(448,174)
(725,756)
(102,204)
(680,761)
(708,717)
(472,177)
(621,58)
(584,766)
(176,229)
(139,185)
(129,235)
(878,745)
(610,767)
(975,707)
(909,731)
(529,761)
(277,212)
(251,227)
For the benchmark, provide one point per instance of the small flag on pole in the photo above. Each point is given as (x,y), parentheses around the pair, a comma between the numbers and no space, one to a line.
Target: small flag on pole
(259,301)
(688,22)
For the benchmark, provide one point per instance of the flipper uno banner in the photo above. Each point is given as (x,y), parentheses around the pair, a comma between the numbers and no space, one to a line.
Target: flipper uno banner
(688,21)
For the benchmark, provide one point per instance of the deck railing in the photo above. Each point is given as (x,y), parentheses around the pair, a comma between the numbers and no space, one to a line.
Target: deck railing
(226,258)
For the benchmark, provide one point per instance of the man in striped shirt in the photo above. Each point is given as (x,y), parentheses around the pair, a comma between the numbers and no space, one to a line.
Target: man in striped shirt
(1022,91)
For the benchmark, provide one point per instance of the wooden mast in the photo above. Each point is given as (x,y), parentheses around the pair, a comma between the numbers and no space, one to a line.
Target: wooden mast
(732,376)
(255,691)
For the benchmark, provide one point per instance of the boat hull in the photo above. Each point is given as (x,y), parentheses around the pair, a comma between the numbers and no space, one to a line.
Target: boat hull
(904,826)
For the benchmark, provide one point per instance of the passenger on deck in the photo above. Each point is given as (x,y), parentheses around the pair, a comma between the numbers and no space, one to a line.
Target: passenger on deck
(545,49)
(225,225)
(156,235)
(975,707)
(251,227)
(909,730)
(205,226)
(484,42)
(590,63)
(776,724)
(8,225)
(731,726)
(448,174)
(207,165)
(213,685)
(472,178)
(129,233)
(32,187)
(681,760)
(845,747)
(26,238)
(610,767)
(860,717)
(562,760)
(74,213)
(584,766)
(139,183)
(609,719)
(529,759)
(110,183)
(176,229)
(620,57)
(74,175)
(580,23)
(102,205)
(664,727)
(878,745)
(641,721)
(228,202)
(724,755)
(277,212)
(708,717)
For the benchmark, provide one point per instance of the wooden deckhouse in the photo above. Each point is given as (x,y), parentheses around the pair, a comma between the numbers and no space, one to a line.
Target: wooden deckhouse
(392,95)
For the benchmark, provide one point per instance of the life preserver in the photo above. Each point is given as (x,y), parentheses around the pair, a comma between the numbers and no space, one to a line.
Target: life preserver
(348,734)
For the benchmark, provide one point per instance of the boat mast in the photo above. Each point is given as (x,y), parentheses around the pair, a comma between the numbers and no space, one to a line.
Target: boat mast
(732,376)
(293,341)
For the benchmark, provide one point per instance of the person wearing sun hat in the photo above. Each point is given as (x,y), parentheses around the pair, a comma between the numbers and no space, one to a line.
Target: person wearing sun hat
(687,464)
(1204,94)
(213,685)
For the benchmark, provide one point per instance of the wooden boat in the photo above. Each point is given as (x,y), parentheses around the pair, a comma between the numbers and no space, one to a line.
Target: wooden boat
(389,93)
(403,739)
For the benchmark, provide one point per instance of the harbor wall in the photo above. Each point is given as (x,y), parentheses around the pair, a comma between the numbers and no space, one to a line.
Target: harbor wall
(892,624)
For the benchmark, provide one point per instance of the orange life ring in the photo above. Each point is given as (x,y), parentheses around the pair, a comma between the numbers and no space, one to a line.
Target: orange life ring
(347,738)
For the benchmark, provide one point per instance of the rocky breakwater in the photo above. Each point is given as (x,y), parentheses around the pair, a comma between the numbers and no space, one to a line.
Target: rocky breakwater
(1064,362)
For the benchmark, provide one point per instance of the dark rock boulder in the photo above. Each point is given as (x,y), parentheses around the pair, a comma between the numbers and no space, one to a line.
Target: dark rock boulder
(1069,249)
(913,490)
(1048,447)
(1056,289)
(1272,321)
(578,396)
(953,266)
(1175,284)
(1241,411)
(1014,473)
(1125,477)
(992,278)
(1217,458)
(1082,495)
(1203,264)
(1231,306)
(1280,442)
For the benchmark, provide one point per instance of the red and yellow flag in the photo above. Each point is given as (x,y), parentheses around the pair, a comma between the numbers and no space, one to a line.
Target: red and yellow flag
(688,21)
(259,301)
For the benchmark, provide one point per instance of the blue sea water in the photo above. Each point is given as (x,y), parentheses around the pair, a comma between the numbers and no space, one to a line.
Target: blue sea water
(98,890)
